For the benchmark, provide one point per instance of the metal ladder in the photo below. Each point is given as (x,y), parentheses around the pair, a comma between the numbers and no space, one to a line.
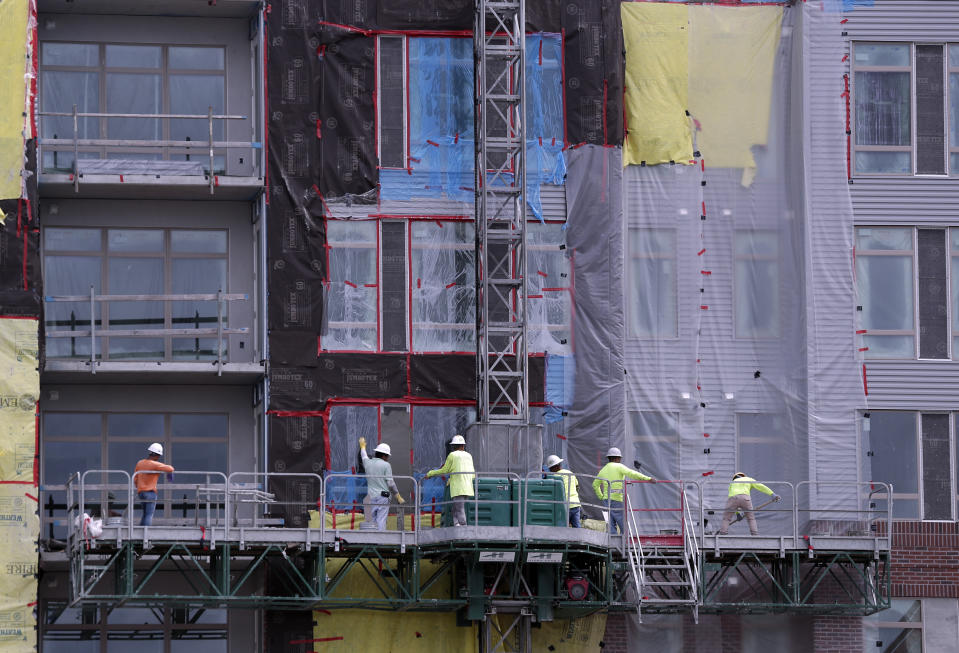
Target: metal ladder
(664,575)
(500,129)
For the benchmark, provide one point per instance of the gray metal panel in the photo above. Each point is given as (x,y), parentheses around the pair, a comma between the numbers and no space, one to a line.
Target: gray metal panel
(835,389)
(905,20)
(913,385)
(905,200)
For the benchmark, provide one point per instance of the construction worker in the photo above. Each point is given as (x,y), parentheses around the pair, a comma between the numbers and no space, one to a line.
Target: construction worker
(379,485)
(146,474)
(570,488)
(739,499)
(609,484)
(459,466)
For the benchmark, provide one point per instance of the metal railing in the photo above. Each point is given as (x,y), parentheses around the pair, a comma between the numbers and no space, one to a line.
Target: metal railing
(226,505)
(78,142)
(220,297)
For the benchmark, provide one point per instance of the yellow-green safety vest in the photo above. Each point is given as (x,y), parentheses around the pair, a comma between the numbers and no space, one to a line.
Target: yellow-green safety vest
(461,485)
(570,487)
(615,473)
(744,484)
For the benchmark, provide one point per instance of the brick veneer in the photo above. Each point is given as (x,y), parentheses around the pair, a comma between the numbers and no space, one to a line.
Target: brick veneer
(925,560)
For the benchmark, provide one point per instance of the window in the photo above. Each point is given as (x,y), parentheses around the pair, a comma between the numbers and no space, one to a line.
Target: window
(891,455)
(409,285)
(425,116)
(134,262)
(444,291)
(141,79)
(75,442)
(766,450)
(757,284)
(897,629)
(884,278)
(548,288)
(901,120)
(652,283)
(656,442)
(100,627)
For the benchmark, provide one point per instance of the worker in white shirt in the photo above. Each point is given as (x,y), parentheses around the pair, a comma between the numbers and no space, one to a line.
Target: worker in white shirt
(379,485)
(570,488)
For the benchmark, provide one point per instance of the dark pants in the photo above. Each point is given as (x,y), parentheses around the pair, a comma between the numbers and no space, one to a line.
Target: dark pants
(574,516)
(149,500)
(616,517)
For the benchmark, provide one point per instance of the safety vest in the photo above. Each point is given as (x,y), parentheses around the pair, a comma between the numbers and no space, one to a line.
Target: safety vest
(570,487)
(744,484)
(615,473)
(460,484)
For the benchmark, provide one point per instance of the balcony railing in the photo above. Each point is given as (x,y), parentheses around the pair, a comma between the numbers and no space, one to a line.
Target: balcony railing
(210,145)
(92,332)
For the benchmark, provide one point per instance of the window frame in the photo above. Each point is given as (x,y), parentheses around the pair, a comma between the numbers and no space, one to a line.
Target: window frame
(853,145)
(951,150)
(164,71)
(632,288)
(874,622)
(775,259)
(168,257)
(914,282)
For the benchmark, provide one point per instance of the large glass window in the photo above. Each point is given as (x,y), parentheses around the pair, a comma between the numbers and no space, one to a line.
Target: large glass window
(75,442)
(131,79)
(96,628)
(351,303)
(898,629)
(444,291)
(548,288)
(131,262)
(891,455)
(882,74)
(656,442)
(757,284)
(885,281)
(652,283)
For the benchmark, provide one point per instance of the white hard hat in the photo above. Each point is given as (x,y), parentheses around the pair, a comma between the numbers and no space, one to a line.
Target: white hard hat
(614,453)
(156,448)
(457,439)
(382,447)
(553,460)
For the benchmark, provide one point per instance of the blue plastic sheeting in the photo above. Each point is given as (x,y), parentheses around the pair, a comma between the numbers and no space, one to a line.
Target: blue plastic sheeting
(441,139)
(345,492)
(837,6)
(560,375)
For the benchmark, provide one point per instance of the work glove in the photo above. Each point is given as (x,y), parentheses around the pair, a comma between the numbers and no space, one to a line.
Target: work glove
(362,442)
(776,497)
(399,498)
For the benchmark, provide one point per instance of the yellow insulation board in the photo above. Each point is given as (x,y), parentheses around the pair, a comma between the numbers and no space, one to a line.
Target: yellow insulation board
(13,65)
(717,63)
(19,389)
(350,631)
(19,522)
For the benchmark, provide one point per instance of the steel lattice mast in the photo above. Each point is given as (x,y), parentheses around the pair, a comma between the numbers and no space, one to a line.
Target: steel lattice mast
(500,128)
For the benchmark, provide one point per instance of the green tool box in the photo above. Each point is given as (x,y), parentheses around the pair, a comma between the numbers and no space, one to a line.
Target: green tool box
(494,505)
(544,500)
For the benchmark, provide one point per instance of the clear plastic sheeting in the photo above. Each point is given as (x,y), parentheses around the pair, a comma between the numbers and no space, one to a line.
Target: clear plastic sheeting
(443,287)
(440,121)
(549,289)
(351,300)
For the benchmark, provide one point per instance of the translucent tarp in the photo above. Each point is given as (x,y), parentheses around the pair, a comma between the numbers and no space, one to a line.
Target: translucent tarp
(440,122)
(443,287)
(351,301)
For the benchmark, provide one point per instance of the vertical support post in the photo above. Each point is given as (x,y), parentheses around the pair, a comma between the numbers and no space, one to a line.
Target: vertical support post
(219,332)
(93,332)
(210,134)
(76,151)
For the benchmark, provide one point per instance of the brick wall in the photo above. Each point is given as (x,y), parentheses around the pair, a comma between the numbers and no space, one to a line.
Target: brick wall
(925,560)
(614,641)
(837,634)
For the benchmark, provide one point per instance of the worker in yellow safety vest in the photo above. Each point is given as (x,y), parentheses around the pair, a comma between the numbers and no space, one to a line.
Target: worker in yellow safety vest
(459,466)
(570,488)
(610,484)
(739,499)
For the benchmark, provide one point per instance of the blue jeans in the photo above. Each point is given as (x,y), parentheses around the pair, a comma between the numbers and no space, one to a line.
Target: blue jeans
(574,516)
(149,500)
(616,518)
